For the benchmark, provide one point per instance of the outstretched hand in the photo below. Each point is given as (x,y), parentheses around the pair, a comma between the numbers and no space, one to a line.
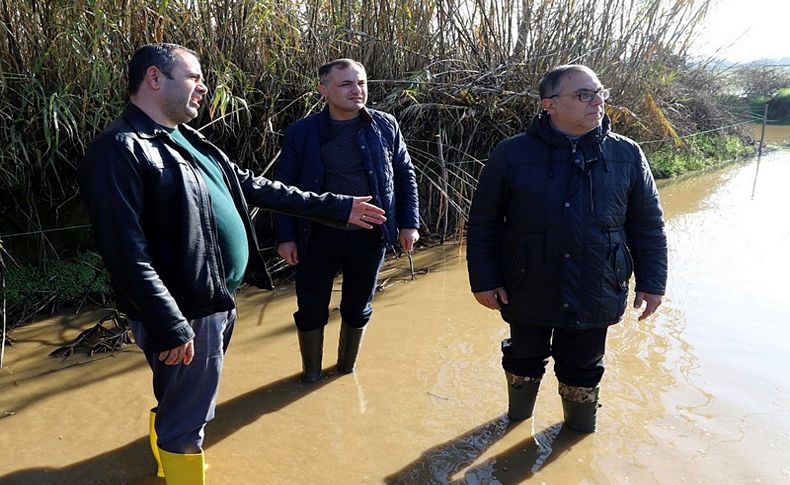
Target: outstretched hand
(365,215)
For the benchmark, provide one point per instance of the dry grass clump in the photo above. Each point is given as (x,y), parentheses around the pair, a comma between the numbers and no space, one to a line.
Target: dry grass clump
(460,75)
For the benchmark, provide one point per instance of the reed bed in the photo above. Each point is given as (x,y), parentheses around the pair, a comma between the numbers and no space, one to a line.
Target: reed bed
(460,75)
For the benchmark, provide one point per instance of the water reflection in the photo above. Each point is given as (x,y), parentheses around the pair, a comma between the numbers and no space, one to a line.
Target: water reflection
(698,393)
(774,134)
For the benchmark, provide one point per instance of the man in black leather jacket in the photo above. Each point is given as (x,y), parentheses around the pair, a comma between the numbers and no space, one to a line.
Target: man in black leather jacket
(170,216)
(562,216)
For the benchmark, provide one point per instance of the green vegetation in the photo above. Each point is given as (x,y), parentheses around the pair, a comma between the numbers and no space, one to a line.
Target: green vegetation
(68,282)
(761,85)
(779,107)
(698,153)
(460,75)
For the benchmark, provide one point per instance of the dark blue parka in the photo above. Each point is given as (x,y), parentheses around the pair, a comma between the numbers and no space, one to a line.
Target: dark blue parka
(561,225)
(387,162)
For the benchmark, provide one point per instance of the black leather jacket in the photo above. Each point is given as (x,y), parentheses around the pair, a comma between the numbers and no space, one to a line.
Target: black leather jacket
(154,226)
(562,225)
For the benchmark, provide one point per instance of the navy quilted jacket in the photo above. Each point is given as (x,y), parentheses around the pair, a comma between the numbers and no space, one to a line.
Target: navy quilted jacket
(562,225)
(390,171)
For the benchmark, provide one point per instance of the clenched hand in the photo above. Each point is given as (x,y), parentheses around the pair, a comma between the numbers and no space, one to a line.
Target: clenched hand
(183,353)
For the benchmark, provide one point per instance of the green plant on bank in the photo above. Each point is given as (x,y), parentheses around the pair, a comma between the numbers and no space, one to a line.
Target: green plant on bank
(759,85)
(698,153)
(72,279)
(61,283)
(778,106)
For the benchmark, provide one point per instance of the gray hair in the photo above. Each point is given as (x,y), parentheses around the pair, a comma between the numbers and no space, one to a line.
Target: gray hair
(550,82)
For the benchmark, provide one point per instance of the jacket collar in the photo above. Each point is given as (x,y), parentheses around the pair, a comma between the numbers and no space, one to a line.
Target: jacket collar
(367,118)
(141,123)
(145,127)
(541,128)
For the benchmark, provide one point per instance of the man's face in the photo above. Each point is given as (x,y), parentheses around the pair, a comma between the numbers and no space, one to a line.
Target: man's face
(345,91)
(568,114)
(182,91)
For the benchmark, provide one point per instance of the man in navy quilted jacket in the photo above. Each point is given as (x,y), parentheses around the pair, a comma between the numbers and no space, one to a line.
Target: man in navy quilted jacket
(563,215)
(354,150)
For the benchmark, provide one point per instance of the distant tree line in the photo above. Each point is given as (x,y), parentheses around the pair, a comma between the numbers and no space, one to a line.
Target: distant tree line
(765,83)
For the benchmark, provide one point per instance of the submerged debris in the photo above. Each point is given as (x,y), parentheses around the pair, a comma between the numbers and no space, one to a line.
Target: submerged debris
(99,338)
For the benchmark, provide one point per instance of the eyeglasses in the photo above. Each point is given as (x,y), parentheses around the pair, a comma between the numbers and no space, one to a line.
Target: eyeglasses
(585,95)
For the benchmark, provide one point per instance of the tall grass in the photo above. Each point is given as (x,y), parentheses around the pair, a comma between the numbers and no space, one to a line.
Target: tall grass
(460,75)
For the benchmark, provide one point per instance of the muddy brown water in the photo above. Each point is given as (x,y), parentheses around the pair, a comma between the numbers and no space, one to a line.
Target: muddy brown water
(697,394)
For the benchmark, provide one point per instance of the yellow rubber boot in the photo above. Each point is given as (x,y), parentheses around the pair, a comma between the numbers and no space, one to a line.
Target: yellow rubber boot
(183,469)
(154,448)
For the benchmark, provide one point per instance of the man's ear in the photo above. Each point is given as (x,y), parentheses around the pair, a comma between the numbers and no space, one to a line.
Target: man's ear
(547,105)
(153,76)
(321,89)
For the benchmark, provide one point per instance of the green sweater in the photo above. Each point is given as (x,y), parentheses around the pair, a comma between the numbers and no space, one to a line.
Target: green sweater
(230,228)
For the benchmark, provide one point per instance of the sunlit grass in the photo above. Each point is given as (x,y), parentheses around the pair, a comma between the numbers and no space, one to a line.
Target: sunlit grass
(459,75)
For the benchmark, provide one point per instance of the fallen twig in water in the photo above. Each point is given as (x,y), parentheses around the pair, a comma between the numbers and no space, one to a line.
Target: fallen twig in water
(99,338)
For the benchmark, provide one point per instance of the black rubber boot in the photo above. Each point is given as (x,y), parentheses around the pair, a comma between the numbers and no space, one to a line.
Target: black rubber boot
(311,346)
(522,392)
(579,407)
(348,347)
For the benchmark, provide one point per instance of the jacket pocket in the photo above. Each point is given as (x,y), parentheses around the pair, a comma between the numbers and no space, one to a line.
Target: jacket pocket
(622,266)
(526,262)
(516,269)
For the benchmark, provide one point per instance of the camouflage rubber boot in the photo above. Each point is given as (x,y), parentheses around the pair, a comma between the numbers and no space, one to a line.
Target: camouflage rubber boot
(580,407)
(521,393)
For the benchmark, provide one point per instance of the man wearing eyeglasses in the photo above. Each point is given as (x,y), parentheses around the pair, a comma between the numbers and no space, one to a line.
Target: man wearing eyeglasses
(562,216)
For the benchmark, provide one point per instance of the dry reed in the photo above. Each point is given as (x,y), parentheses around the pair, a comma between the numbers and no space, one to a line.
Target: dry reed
(460,75)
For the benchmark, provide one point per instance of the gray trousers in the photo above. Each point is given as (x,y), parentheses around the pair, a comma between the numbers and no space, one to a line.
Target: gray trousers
(186,394)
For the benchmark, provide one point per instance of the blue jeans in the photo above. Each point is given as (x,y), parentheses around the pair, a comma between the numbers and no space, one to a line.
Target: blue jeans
(186,395)
(578,354)
(359,254)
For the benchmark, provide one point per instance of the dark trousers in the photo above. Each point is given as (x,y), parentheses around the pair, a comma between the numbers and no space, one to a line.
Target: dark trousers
(186,395)
(578,354)
(359,254)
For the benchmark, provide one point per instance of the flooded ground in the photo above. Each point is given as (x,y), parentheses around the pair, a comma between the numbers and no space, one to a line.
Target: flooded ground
(700,393)
(774,134)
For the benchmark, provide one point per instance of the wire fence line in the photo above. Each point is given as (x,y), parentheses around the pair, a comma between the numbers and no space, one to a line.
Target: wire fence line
(44,231)
(691,135)
(646,142)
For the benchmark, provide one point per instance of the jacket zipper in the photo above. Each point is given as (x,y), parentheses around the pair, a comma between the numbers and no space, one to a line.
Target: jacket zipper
(588,172)
(207,214)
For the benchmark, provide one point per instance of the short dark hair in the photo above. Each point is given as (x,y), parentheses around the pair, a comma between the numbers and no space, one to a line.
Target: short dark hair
(550,82)
(162,55)
(345,63)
